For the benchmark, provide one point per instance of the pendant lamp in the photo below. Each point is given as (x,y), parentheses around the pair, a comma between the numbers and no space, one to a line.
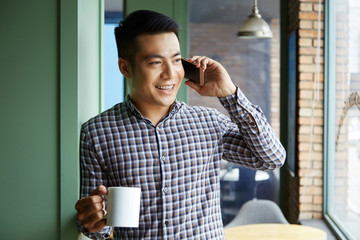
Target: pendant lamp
(254,27)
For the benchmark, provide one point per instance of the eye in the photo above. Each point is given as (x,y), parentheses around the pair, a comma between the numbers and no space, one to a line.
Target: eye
(178,60)
(155,63)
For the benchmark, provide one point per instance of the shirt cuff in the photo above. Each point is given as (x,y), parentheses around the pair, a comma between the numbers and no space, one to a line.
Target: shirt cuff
(237,104)
(105,233)
(237,97)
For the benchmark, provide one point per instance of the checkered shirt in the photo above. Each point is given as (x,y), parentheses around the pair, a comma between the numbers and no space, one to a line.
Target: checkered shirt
(176,163)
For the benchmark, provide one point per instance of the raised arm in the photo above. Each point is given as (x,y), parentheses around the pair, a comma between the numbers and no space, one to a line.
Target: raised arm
(249,138)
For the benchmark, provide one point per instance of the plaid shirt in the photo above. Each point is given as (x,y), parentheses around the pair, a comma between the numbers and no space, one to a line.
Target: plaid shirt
(176,163)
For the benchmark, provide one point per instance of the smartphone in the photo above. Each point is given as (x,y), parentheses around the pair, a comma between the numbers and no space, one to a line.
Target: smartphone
(193,73)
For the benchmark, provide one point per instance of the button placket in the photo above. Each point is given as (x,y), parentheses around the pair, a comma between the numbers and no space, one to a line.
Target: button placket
(162,140)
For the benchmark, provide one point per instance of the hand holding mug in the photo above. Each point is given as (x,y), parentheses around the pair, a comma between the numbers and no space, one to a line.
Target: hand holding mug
(90,210)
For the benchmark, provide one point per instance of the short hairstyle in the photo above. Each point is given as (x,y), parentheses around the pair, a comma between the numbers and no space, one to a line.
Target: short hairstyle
(138,23)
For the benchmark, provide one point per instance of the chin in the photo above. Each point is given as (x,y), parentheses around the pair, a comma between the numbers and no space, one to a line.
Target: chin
(168,102)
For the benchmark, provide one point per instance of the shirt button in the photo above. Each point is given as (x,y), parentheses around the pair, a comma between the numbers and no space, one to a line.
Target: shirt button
(165,190)
(166,222)
(163,158)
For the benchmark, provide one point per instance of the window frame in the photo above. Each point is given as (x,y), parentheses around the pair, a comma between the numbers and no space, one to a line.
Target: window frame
(80,96)
(329,120)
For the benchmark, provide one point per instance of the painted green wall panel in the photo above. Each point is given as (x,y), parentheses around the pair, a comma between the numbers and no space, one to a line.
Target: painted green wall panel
(163,6)
(177,9)
(69,125)
(29,113)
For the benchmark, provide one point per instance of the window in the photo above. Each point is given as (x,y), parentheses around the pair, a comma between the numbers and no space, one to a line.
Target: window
(253,66)
(113,86)
(342,117)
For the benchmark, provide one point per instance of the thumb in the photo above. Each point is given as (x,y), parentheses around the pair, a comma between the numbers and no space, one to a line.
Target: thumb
(100,190)
(193,85)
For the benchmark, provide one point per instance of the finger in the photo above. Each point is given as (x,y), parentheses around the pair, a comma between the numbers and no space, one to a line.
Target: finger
(193,85)
(99,225)
(204,63)
(195,60)
(101,190)
(93,222)
(85,213)
(88,201)
(200,61)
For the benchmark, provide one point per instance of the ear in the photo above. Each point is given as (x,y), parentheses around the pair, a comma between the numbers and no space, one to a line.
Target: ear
(125,67)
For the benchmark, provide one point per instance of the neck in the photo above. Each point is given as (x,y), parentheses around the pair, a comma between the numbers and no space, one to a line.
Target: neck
(155,116)
(152,112)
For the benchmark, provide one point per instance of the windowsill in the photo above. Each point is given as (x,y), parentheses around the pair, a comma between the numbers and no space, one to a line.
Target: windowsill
(320,224)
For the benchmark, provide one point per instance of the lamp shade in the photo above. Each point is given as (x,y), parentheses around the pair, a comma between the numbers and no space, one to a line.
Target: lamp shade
(254,27)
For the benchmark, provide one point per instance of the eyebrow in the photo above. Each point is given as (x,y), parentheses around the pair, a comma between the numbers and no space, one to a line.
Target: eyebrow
(160,56)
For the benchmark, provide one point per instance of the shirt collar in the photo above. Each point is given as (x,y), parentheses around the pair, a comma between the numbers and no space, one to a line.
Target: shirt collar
(173,109)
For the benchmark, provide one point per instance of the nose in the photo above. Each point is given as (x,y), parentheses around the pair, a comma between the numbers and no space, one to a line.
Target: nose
(168,71)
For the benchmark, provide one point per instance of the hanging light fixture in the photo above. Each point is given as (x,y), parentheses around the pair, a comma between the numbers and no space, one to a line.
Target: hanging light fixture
(254,27)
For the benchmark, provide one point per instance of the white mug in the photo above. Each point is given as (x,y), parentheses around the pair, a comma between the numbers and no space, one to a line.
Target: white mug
(123,207)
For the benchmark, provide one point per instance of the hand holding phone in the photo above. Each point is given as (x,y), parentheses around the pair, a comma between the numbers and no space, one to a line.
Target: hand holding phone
(193,73)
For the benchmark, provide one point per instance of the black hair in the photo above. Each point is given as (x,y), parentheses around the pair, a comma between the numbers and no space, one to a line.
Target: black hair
(138,23)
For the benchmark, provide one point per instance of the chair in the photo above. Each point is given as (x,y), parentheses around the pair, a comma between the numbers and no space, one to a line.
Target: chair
(258,211)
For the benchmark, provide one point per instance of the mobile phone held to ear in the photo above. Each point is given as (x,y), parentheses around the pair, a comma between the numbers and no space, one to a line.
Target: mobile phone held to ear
(193,73)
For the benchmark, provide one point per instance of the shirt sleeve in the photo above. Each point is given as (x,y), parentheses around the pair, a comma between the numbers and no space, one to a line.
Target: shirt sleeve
(249,139)
(92,176)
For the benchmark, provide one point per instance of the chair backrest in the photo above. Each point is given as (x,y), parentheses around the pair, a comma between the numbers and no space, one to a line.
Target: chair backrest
(258,211)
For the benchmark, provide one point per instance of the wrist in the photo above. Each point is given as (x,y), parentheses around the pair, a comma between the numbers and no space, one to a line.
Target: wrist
(229,91)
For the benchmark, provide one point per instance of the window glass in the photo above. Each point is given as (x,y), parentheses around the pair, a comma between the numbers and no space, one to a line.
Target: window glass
(113,86)
(254,67)
(344,194)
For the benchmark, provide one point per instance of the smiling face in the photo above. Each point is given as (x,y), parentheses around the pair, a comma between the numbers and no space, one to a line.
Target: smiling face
(157,72)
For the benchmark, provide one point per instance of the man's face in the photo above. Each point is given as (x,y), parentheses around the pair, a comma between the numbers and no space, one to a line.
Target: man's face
(157,72)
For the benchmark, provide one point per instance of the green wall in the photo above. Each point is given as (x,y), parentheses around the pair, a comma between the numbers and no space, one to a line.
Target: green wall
(29,113)
(45,95)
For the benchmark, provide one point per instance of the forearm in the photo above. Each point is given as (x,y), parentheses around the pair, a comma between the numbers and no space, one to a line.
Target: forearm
(253,143)
(92,176)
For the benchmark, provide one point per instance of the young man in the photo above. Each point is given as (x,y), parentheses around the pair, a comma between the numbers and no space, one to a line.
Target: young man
(170,150)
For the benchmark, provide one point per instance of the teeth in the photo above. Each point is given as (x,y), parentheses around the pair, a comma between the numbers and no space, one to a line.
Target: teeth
(165,87)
